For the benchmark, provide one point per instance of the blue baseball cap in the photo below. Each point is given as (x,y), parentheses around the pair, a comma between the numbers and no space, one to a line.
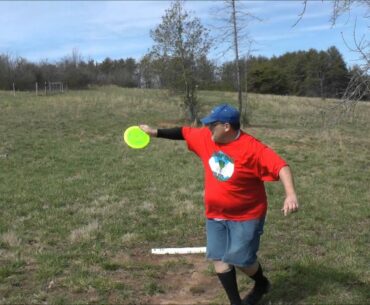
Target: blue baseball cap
(223,113)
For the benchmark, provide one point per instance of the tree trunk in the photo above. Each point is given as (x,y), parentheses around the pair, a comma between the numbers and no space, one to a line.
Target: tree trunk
(237,64)
(322,87)
(190,104)
(244,114)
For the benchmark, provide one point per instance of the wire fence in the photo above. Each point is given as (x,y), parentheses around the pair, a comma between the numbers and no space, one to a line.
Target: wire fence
(46,88)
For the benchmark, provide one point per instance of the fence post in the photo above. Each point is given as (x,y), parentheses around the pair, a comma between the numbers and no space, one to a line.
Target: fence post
(45,87)
(13,89)
(37,89)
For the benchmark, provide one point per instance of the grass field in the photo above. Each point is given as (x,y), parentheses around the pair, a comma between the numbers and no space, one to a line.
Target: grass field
(80,211)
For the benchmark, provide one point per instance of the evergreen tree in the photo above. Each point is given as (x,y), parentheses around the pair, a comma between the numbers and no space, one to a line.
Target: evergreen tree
(338,76)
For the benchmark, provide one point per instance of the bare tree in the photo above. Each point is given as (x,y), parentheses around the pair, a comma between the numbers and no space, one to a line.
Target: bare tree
(359,83)
(76,57)
(233,35)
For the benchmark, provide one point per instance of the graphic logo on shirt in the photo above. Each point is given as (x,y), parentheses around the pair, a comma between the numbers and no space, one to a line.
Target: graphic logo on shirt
(221,165)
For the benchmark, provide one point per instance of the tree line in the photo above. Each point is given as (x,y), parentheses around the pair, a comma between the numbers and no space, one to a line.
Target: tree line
(73,71)
(303,73)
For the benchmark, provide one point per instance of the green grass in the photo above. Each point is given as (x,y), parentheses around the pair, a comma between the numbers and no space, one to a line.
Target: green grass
(80,211)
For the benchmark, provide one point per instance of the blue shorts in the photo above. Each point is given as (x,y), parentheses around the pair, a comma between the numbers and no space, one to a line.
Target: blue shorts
(234,242)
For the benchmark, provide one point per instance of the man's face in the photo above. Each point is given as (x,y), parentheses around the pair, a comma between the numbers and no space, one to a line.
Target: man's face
(218,130)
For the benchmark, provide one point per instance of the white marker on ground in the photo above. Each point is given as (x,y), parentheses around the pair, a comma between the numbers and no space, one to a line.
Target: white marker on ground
(188,250)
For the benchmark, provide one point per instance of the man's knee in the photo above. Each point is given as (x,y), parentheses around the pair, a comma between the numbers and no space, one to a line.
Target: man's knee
(221,267)
(251,269)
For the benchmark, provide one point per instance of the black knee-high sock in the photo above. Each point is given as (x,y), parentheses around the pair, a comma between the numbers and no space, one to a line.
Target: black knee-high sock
(228,281)
(258,277)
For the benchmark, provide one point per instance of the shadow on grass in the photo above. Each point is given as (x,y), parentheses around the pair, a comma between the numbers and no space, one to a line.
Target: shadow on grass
(305,283)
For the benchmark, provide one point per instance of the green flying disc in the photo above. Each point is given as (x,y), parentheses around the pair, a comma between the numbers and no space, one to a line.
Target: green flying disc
(135,137)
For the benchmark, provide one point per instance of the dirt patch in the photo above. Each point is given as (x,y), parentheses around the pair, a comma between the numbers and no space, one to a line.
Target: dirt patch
(191,282)
(143,278)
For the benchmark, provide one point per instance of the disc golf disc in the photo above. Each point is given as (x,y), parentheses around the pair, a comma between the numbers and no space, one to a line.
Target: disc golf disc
(135,137)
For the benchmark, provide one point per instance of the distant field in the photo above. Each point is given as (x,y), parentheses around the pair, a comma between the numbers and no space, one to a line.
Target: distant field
(80,211)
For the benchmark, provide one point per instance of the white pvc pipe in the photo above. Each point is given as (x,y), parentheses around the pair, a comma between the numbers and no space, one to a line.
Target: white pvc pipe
(188,250)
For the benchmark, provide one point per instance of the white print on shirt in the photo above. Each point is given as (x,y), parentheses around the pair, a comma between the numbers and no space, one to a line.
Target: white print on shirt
(221,165)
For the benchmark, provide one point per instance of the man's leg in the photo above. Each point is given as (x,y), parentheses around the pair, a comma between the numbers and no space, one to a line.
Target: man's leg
(227,276)
(243,248)
(216,245)
(261,285)
(250,270)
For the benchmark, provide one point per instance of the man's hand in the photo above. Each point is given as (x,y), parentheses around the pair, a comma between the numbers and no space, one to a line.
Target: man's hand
(290,204)
(150,131)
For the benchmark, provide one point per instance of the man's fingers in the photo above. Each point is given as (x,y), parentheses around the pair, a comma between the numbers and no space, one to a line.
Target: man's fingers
(289,207)
(286,211)
(144,127)
(147,130)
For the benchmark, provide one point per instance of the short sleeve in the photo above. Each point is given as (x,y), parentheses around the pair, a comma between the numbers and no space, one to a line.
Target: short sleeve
(269,164)
(195,138)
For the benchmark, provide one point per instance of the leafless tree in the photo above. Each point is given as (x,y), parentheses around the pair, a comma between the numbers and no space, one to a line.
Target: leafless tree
(359,84)
(232,35)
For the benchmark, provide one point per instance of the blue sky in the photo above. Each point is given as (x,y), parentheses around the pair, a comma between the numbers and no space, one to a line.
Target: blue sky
(50,30)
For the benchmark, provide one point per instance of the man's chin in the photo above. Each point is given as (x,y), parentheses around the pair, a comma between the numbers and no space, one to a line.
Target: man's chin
(216,141)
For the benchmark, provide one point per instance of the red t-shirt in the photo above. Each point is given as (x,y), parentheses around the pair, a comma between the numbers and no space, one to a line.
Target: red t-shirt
(234,174)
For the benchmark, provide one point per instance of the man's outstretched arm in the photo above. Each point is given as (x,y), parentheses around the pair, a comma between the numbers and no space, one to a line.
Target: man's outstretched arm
(167,133)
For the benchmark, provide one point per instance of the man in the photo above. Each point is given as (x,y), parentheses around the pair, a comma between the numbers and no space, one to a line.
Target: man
(236,166)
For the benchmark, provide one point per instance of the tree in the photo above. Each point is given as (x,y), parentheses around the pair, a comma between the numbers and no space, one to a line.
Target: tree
(233,32)
(227,74)
(181,41)
(206,73)
(267,77)
(358,86)
(49,72)
(105,69)
(316,69)
(72,71)
(148,77)
(337,74)
(5,72)
(296,72)
(24,74)
(236,50)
